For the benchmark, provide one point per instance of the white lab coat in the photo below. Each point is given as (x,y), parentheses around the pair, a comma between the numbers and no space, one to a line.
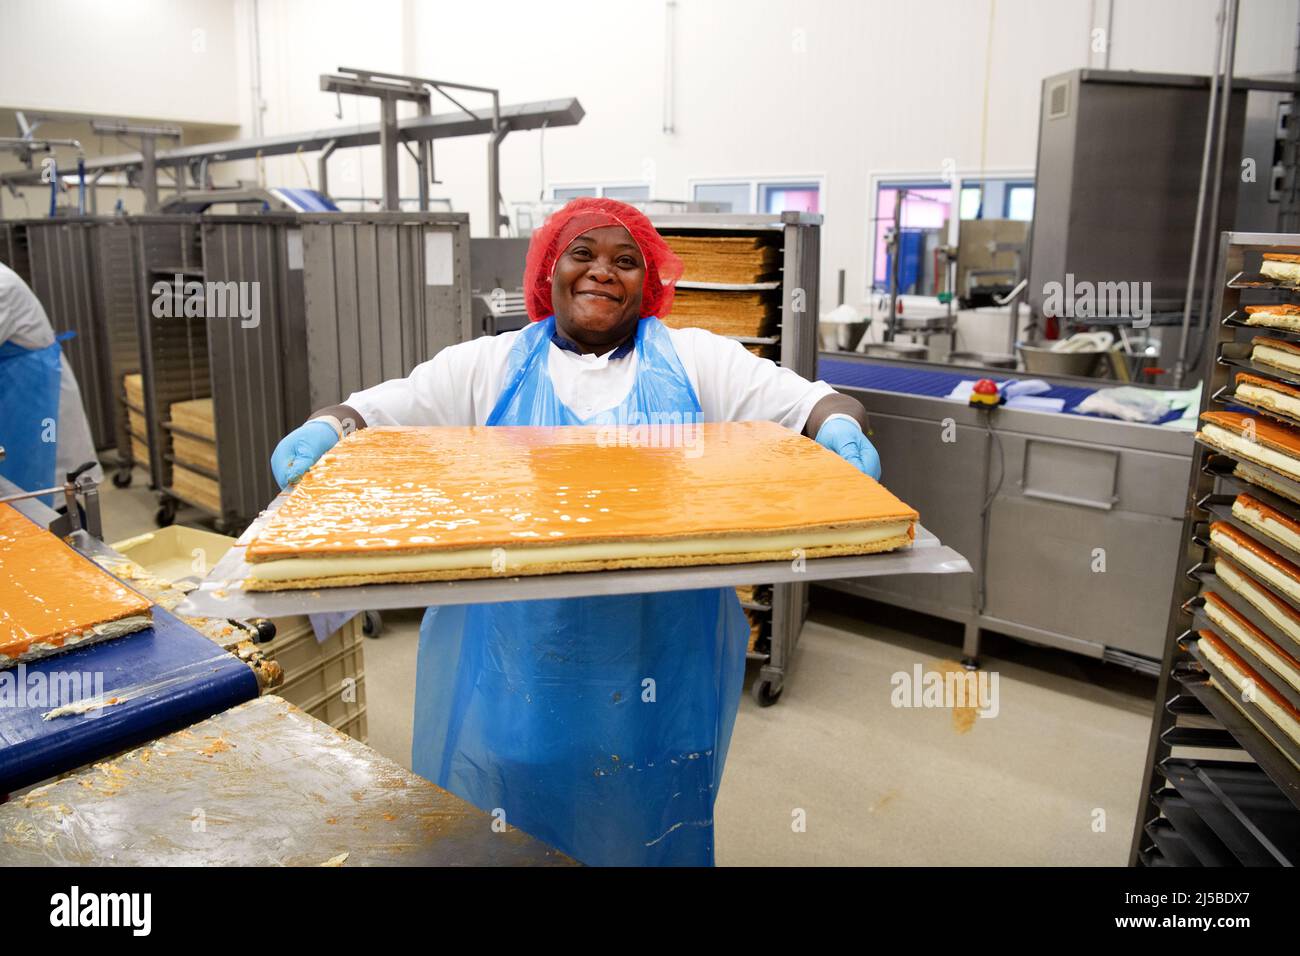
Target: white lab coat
(460,385)
(24,323)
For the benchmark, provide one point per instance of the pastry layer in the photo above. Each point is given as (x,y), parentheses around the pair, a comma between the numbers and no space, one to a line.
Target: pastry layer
(1256,558)
(477,563)
(1283,666)
(1259,451)
(1239,674)
(52,598)
(1275,269)
(393,491)
(1250,510)
(1272,352)
(1264,479)
(1281,614)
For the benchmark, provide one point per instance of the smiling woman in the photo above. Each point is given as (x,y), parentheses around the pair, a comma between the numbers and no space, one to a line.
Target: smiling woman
(596,288)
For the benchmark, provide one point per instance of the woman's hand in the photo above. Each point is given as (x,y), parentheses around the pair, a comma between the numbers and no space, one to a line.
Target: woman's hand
(300,449)
(844,436)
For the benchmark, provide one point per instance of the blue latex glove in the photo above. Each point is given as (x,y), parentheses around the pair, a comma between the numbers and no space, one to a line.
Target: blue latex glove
(300,449)
(844,437)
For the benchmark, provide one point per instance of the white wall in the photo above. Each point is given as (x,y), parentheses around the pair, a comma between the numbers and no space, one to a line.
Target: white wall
(169,61)
(835,88)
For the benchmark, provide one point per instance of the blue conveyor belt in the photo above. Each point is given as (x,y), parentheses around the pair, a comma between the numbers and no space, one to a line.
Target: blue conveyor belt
(166,677)
(931,383)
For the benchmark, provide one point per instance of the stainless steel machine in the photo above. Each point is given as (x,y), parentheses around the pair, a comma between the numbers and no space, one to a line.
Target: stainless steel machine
(1070,522)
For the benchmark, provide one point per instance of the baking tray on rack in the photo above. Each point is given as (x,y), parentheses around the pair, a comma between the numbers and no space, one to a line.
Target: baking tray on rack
(1257,280)
(1232,714)
(1202,620)
(1220,507)
(1210,581)
(1290,486)
(1228,397)
(1237,355)
(1242,805)
(219,594)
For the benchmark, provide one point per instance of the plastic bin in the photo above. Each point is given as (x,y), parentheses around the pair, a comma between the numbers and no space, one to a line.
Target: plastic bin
(325,679)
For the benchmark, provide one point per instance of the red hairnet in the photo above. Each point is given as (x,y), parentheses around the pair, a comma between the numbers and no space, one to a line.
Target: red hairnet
(662,266)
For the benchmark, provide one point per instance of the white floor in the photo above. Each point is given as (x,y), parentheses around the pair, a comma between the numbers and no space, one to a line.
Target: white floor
(834,774)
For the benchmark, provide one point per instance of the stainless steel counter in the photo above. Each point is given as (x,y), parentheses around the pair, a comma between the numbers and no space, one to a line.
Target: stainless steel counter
(1084,518)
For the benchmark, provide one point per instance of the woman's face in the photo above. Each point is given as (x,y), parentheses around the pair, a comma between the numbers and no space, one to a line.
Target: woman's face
(596,288)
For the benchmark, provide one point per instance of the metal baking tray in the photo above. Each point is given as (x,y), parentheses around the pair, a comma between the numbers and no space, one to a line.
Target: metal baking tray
(220,594)
(1237,355)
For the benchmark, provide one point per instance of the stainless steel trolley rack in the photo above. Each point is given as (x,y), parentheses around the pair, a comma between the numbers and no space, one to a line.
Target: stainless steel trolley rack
(1240,806)
(81,270)
(796,345)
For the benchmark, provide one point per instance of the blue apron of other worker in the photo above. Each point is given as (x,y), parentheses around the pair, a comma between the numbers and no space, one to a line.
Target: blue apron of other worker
(599,725)
(29,414)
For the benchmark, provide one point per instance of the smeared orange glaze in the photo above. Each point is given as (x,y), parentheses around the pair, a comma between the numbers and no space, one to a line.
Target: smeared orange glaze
(1250,628)
(48,592)
(1217,642)
(1251,503)
(1255,548)
(1268,595)
(386,490)
(1278,437)
(1245,378)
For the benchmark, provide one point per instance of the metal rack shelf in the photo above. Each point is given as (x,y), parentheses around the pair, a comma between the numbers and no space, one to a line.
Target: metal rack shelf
(799,268)
(1246,812)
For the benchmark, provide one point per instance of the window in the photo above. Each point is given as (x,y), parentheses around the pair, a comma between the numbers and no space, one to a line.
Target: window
(926,223)
(1020,202)
(764,196)
(923,221)
(733,197)
(564,195)
(789,197)
(627,192)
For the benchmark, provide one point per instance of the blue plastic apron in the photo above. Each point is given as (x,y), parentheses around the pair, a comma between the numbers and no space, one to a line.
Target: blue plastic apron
(598,725)
(29,414)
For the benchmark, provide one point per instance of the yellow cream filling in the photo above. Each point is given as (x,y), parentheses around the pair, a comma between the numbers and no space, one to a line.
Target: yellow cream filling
(1269,526)
(1269,398)
(1257,451)
(1285,722)
(1280,270)
(1251,592)
(1280,358)
(1247,558)
(1261,650)
(505,560)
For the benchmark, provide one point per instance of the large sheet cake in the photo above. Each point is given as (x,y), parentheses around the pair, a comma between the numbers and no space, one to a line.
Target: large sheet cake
(423,504)
(53,599)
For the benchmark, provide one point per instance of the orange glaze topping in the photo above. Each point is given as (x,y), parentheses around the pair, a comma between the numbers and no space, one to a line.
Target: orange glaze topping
(1268,595)
(1245,378)
(1283,439)
(1262,511)
(1217,643)
(49,592)
(386,490)
(1231,612)
(1255,548)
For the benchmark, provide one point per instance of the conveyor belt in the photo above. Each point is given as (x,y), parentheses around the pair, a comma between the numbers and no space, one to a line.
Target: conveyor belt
(164,677)
(935,384)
